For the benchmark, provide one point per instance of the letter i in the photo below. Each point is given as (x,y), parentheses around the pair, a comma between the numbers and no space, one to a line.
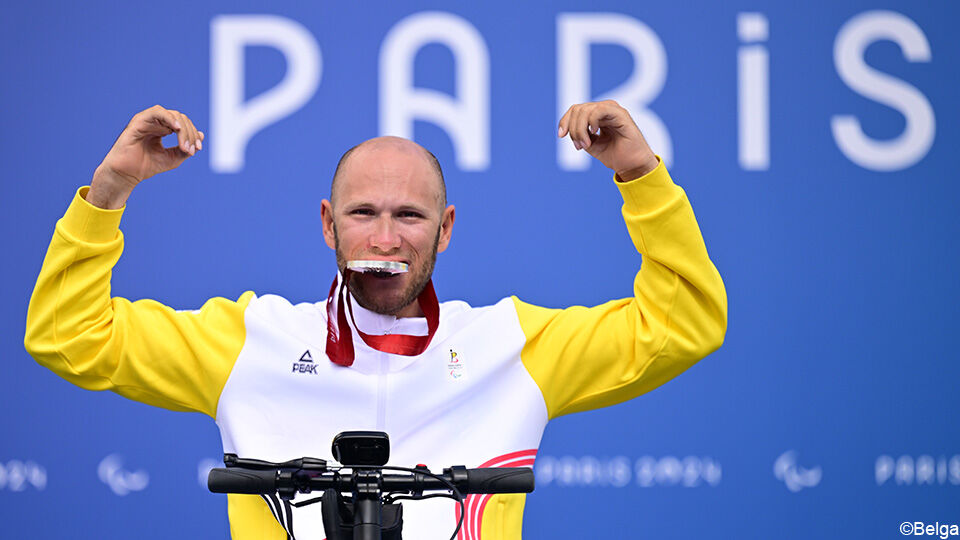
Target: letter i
(753,92)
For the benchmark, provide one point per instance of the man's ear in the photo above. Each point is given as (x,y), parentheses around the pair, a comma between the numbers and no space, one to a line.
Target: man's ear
(326,216)
(446,227)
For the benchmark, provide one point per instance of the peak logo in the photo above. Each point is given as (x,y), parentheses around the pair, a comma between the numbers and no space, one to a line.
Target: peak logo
(121,481)
(794,476)
(305,364)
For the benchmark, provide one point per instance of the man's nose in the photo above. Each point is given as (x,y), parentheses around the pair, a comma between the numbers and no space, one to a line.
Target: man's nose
(385,235)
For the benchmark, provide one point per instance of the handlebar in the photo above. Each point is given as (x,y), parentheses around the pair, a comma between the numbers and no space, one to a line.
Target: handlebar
(499,480)
(248,482)
(370,487)
(486,480)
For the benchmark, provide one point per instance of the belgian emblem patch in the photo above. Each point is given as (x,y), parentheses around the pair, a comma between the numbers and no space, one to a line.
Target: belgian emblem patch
(455,365)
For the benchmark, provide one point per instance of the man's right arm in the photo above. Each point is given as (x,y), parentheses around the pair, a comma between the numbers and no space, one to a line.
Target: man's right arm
(142,350)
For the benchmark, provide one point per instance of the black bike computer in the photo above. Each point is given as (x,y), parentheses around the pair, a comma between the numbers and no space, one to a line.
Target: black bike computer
(361,448)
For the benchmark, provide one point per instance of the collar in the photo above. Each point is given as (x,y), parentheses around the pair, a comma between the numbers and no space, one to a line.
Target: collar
(408,336)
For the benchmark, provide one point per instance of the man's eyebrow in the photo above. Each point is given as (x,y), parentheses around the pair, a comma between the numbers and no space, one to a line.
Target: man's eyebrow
(399,208)
(357,204)
(415,207)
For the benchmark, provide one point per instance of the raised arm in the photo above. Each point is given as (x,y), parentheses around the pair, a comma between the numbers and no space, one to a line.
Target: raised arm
(142,350)
(584,358)
(138,154)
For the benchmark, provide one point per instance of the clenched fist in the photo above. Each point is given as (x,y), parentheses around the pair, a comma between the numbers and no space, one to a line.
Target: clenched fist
(139,154)
(607,132)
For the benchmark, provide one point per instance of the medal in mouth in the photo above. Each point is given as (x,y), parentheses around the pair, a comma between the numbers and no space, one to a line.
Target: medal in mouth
(380,269)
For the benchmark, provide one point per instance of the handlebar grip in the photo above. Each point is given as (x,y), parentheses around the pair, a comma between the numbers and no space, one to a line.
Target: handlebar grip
(499,480)
(222,480)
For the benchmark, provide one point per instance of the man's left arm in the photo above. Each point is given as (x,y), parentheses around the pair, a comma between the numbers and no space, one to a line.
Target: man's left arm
(585,358)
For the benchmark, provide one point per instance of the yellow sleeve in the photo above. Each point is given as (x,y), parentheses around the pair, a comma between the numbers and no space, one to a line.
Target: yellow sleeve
(141,350)
(585,358)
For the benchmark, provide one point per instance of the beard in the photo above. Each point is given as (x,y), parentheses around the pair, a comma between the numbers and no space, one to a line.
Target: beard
(393,303)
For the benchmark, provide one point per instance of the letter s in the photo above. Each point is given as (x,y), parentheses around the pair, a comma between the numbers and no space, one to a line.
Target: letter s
(912,145)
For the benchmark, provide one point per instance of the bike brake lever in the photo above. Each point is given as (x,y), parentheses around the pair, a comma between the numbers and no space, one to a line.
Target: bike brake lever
(305,464)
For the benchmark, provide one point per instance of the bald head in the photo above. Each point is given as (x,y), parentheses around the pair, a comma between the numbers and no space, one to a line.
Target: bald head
(384,152)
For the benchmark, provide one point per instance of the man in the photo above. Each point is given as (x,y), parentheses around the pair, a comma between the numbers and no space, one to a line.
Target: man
(450,383)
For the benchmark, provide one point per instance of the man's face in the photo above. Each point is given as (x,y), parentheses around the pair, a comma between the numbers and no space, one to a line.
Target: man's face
(388,206)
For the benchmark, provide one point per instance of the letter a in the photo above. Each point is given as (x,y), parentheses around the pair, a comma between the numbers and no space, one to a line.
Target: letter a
(466,117)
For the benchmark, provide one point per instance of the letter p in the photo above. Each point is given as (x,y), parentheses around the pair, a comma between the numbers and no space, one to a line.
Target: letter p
(883,469)
(234,121)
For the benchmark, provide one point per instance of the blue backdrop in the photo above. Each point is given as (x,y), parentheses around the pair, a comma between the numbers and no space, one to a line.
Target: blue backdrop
(817,142)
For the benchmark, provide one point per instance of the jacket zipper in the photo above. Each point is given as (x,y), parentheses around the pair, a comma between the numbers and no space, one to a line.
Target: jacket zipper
(382,393)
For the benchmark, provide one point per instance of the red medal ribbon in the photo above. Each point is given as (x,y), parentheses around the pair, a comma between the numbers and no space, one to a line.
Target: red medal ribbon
(340,338)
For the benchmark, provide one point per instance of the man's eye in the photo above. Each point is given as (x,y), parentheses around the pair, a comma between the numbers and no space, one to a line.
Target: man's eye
(362,212)
(411,214)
